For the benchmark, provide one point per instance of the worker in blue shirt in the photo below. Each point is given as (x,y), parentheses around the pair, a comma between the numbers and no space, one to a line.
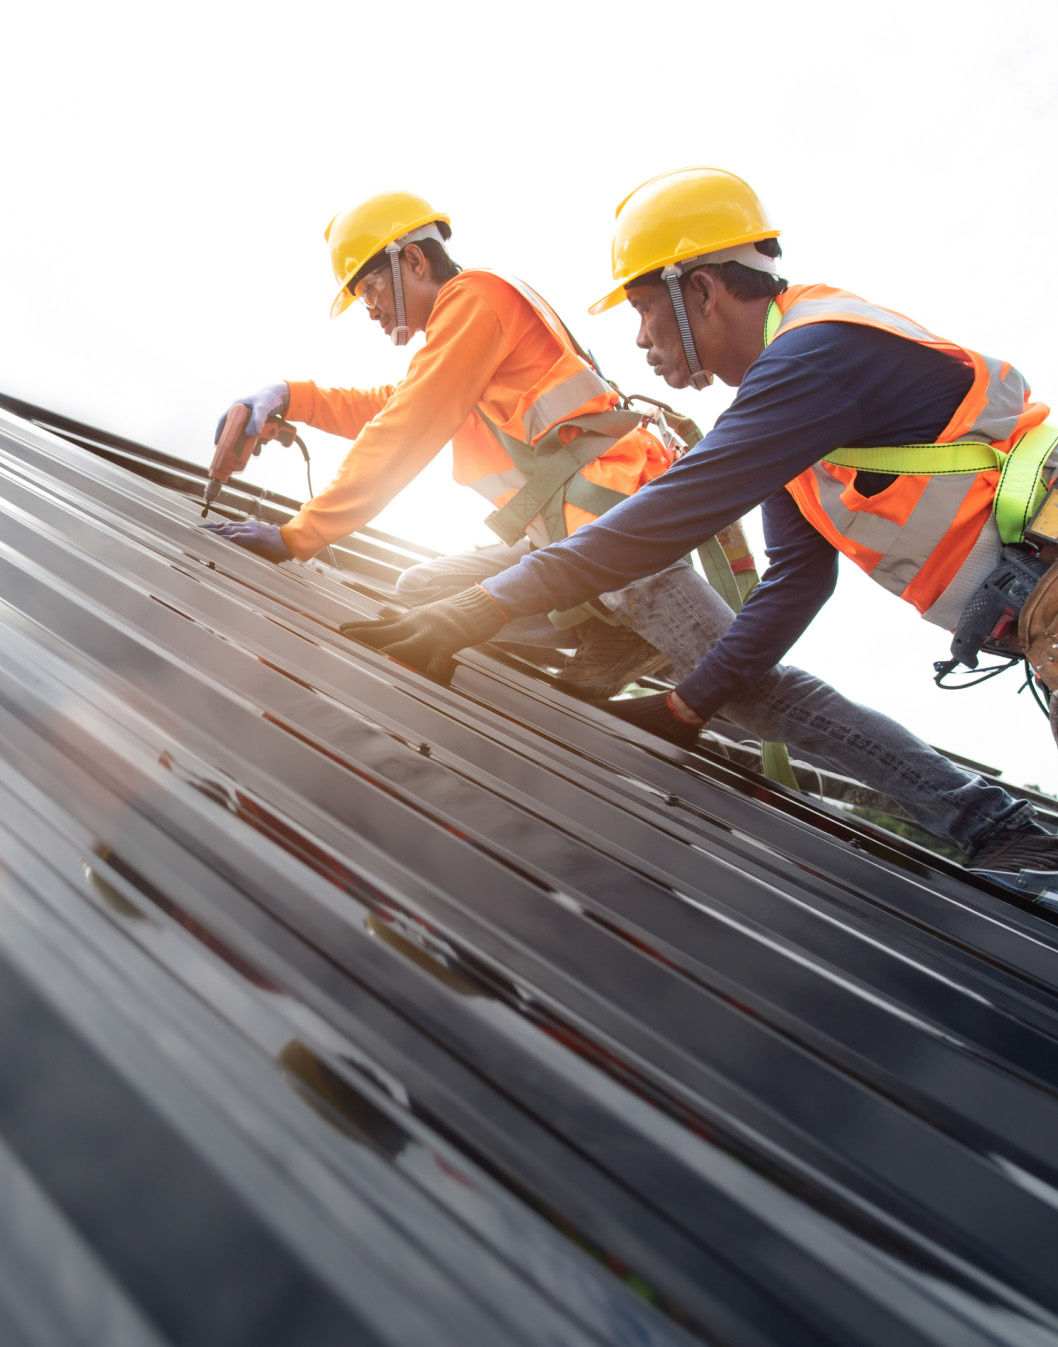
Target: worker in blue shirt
(819,373)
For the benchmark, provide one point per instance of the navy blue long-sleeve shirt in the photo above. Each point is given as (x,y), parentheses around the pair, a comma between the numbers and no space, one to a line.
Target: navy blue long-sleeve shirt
(813,390)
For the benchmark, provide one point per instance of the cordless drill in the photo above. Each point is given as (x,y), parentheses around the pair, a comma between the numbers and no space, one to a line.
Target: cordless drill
(234,448)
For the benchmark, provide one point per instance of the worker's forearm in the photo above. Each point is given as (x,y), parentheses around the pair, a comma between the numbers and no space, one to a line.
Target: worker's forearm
(797,583)
(663,522)
(339,411)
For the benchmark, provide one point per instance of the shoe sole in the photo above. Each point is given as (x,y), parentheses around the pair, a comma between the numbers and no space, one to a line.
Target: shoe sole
(1039,885)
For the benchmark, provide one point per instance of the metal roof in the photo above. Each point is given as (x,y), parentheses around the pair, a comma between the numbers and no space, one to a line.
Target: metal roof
(337,1006)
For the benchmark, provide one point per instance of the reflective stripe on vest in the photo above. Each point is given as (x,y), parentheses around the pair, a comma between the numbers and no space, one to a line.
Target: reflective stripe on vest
(563,402)
(929,537)
(566,398)
(1005,390)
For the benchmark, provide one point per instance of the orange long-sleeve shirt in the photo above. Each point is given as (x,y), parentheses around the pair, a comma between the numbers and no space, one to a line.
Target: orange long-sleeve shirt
(486,345)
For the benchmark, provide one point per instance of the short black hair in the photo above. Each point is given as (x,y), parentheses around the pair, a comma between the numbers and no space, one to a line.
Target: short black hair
(742,282)
(442,267)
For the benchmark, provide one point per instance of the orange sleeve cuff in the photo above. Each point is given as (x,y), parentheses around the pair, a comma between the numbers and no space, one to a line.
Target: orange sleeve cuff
(302,402)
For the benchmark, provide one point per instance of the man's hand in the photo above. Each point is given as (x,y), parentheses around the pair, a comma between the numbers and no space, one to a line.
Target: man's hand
(255,535)
(265,404)
(428,637)
(664,713)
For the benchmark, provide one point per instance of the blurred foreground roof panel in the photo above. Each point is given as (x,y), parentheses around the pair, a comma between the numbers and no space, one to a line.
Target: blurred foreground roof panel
(340,1007)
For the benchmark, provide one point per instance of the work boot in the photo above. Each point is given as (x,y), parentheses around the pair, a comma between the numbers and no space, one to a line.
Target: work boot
(607,659)
(1026,863)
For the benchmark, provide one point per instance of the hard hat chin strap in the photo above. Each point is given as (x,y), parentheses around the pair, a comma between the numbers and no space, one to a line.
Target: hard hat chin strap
(671,276)
(401,332)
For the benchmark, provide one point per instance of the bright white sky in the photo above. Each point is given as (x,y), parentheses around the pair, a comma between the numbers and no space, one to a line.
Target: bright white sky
(169,172)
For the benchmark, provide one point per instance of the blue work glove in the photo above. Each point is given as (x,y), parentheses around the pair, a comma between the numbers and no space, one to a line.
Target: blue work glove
(265,403)
(255,535)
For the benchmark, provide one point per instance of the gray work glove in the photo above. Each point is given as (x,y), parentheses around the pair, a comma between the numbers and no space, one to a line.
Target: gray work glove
(264,404)
(428,637)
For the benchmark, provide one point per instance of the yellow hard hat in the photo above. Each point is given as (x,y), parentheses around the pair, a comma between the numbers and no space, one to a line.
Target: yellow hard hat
(680,215)
(356,235)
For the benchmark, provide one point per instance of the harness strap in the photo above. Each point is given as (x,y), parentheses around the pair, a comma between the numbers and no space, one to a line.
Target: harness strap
(1021,484)
(718,572)
(1021,470)
(552,469)
(934,460)
(734,590)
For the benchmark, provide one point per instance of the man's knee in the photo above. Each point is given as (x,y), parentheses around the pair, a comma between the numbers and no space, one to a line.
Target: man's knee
(424,583)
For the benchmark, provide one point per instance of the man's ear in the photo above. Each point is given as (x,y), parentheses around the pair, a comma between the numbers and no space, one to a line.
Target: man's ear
(699,291)
(416,260)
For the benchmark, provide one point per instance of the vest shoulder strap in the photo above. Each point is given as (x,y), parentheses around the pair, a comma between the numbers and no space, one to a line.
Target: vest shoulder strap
(771,322)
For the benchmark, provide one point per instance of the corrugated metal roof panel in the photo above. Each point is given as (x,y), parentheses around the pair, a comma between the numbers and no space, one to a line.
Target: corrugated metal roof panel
(340,1006)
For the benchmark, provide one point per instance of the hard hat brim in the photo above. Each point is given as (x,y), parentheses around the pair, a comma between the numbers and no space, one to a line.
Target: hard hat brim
(343,299)
(616,295)
(609,301)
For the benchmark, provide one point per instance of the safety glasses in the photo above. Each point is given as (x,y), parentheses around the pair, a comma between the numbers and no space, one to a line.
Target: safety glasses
(369,288)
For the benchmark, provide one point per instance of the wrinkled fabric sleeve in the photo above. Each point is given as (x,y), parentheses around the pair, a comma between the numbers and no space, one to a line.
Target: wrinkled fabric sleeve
(339,411)
(465,342)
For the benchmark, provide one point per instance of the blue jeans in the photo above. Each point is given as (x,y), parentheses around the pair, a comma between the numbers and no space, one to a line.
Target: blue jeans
(680,614)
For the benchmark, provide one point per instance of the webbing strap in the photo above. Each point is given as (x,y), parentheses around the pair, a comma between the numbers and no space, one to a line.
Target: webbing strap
(734,590)
(549,466)
(592,497)
(777,767)
(1021,470)
(926,459)
(1021,484)
(718,572)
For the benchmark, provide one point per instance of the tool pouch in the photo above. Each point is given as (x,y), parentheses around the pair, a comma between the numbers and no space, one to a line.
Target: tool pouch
(1038,629)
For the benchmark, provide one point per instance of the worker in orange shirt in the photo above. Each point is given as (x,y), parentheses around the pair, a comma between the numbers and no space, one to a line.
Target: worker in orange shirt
(533,426)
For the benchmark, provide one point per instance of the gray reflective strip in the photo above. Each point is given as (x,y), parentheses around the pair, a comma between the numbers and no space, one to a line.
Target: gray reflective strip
(904,547)
(563,401)
(983,558)
(537,301)
(1006,401)
(496,484)
(1006,397)
(810,308)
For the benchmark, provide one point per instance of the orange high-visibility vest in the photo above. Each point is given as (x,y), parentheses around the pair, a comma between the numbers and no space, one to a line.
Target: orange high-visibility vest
(493,349)
(929,538)
(569,400)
